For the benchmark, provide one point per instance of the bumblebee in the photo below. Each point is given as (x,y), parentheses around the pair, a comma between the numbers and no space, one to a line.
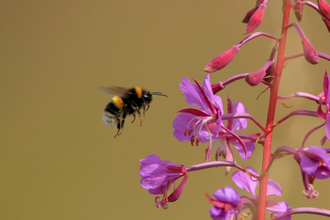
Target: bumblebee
(126,102)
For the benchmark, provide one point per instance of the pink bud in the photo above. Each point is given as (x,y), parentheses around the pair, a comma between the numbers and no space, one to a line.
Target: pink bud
(324,8)
(327,23)
(309,52)
(255,78)
(221,60)
(256,19)
(298,9)
(249,14)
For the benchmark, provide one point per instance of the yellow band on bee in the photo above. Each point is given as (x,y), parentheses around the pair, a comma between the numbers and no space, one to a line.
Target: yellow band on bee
(118,102)
(138,91)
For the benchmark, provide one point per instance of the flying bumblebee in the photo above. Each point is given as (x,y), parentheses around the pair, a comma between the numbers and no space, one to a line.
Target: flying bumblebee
(126,102)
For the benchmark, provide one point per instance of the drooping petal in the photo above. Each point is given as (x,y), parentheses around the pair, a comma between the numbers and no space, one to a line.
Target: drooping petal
(320,152)
(239,123)
(322,173)
(243,181)
(177,192)
(153,183)
(308,165)
(220,214)
(273,188)
(227,195)
(280,209)
(249,148)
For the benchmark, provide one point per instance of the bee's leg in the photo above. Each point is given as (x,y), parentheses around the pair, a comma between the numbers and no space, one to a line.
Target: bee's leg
(119,132)
(148,107)
(138,111)
(144,111)
(134,117)
(120,125)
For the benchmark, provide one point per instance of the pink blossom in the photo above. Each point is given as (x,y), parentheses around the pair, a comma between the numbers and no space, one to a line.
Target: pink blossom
(158,176)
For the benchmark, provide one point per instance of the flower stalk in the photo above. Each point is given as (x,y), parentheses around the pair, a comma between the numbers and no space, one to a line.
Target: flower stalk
(271,111)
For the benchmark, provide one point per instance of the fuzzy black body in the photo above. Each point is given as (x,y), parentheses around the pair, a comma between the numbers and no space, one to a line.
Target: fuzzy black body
(125,102)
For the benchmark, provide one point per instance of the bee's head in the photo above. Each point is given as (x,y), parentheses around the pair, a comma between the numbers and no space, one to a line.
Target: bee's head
(147,97)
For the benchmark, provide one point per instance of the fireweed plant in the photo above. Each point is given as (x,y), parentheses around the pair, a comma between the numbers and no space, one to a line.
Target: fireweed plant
(206,121)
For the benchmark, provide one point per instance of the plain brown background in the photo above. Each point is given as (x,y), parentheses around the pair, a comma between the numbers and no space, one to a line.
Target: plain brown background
(57,158)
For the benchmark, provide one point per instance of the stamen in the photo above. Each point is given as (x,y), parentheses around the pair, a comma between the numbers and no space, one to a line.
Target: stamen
(192,140)
(311,193)
(197,140)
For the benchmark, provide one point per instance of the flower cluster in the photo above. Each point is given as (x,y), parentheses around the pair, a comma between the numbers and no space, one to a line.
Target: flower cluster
(206,122)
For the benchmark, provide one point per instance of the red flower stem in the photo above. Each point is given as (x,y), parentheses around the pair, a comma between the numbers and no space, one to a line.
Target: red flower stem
(296,112)
(294,56)
(242,115)
(271,112)
(217,164)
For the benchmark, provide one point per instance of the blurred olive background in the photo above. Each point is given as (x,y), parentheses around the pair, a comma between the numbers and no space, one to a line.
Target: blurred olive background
(57,158)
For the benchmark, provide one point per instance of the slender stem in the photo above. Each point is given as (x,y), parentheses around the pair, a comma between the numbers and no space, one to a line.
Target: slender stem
(271,112)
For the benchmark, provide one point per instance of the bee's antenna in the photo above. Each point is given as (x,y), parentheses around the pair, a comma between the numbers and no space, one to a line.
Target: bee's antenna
(159,93)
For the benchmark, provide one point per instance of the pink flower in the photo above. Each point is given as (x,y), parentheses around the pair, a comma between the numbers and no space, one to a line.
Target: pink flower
(158,176)
(249,184)
(326,96)
(314,161)
(193,124)
(227,204)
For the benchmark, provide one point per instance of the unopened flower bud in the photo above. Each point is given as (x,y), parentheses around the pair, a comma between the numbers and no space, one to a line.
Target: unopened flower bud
(309,52)
(327,23)
(256,19)
(255,78)
(324,8)
(270,73)
(298,9)
(249,14)
(221,60)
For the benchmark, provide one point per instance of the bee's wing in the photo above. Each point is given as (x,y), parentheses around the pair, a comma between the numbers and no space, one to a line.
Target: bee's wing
(114,90)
